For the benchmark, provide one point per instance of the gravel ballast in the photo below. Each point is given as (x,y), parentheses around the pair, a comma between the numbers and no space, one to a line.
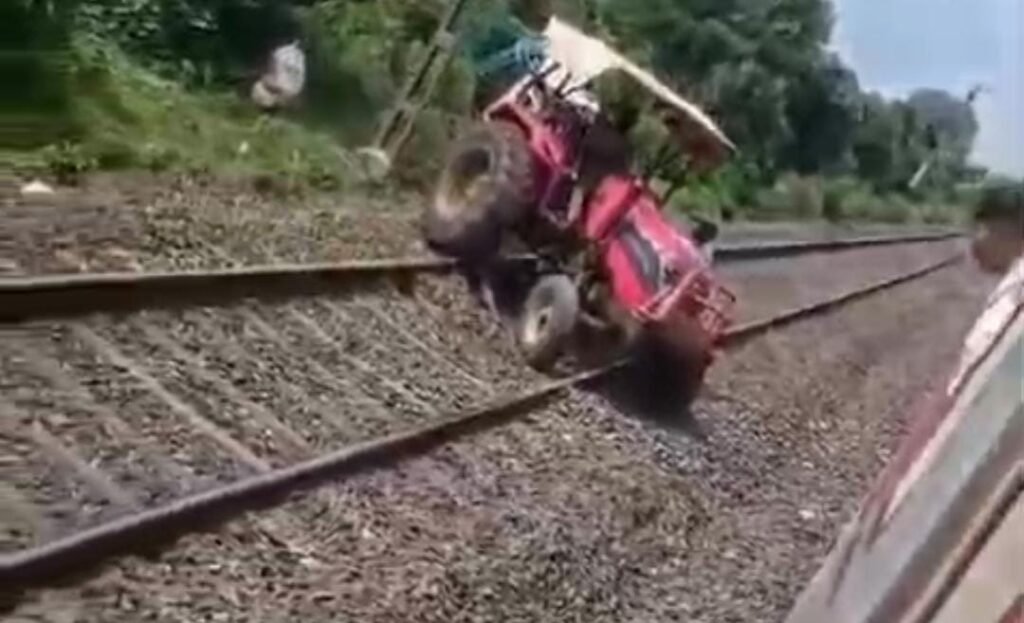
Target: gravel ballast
(576,513)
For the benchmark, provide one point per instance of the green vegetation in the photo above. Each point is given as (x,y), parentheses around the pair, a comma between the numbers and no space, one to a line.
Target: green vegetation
(813,144)
(163,84)
(118,110)
(124,117)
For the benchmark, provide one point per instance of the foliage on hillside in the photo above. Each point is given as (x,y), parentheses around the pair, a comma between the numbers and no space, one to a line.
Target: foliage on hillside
(162,82)
(764,70)
(87,102)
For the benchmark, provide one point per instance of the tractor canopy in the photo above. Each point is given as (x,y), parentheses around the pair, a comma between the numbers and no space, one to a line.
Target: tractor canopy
(580,59)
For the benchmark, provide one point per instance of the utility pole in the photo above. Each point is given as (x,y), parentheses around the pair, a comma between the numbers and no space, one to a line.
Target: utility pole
(398,123)
(936,151)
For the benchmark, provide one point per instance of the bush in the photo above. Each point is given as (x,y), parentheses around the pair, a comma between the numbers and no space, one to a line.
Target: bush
(805,196)
(836,190)
(35,109)
(792,197)
(697,201)
(67,161)
(835,193)
(420,160)
(937,213)
(859,204)
(832,206)
(894,208)
(772,205)
(128,118)
(738,183)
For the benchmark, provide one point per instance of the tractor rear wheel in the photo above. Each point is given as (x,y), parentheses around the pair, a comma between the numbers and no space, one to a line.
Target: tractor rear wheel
(487,184)
(547,320)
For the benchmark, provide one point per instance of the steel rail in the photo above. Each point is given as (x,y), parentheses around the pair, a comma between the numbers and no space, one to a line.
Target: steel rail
(64,559)
(744,332)
(773,250)
(62,296)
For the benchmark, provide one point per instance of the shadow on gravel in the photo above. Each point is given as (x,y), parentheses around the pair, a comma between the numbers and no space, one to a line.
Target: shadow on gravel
(654,387)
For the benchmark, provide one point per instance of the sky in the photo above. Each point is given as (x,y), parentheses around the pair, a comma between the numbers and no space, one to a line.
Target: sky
(899,45)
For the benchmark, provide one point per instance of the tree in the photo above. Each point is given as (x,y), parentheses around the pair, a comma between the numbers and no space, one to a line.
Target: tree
(36,108)
(822,110)
(952,120)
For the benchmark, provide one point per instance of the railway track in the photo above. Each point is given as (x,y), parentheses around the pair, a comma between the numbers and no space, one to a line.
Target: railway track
(123,430)
(78,294)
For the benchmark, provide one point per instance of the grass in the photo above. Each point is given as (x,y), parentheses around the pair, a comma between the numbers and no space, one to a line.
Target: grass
(120,116)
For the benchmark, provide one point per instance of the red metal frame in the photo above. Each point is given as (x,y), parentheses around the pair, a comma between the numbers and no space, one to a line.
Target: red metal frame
(696,292)
(553,152)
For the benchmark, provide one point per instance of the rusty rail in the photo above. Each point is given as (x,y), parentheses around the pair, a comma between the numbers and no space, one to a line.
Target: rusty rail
(773,250)
(163,525)
(62,560)
(64,296)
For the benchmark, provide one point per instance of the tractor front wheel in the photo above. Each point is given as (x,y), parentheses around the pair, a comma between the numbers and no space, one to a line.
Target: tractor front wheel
(548,320)
(487,184)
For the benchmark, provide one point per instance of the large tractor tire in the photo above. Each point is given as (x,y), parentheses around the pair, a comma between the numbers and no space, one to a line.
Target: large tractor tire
(547,321)
(487,184)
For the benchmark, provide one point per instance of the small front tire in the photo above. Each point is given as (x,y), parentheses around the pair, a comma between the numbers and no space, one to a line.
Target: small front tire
(548,320)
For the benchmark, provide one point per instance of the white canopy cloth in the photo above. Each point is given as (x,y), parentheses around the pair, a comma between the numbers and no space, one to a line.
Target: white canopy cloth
(583,58)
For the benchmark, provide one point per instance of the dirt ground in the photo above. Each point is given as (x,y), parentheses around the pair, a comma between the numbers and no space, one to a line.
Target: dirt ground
(576,513)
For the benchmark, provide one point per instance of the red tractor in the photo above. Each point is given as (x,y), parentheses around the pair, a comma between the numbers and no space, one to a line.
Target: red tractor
(614,273)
